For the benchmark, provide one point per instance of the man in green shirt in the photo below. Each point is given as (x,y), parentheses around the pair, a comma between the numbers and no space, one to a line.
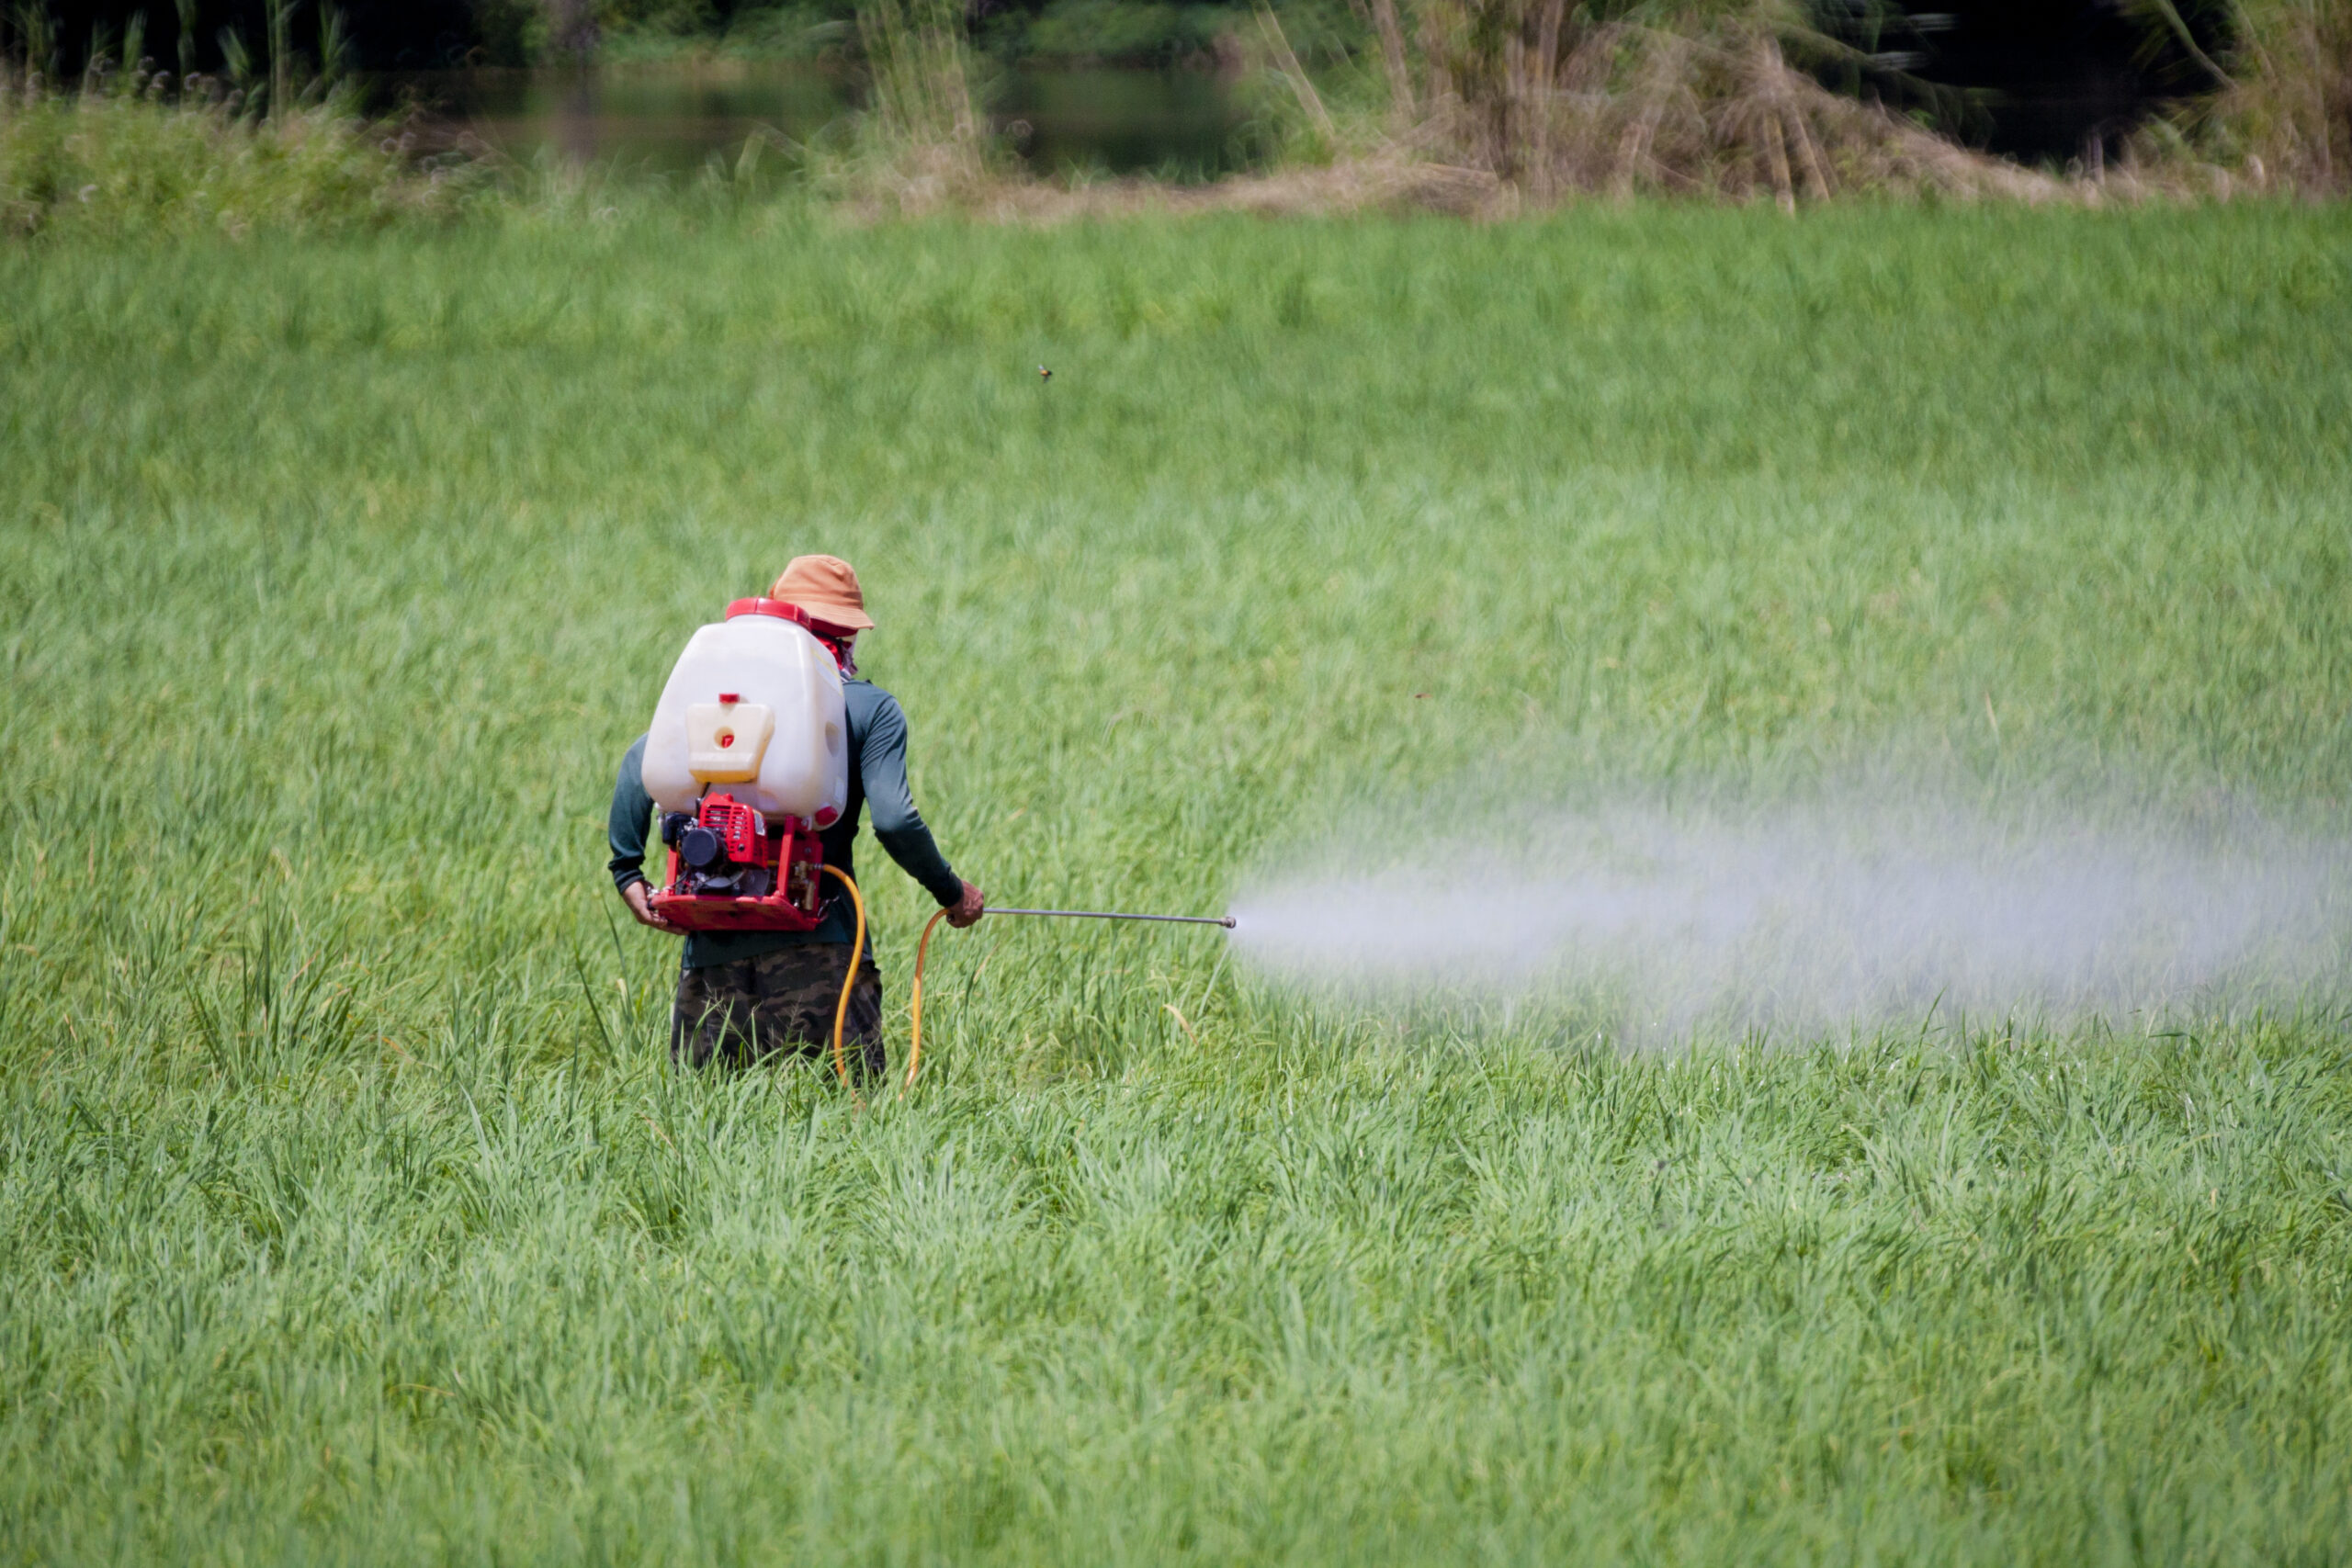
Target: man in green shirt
(744,994)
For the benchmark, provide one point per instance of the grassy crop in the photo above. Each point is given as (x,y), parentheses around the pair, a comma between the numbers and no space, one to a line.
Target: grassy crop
(347,1213)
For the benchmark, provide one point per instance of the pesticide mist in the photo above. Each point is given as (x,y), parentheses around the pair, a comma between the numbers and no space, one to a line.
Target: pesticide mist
(1872,910)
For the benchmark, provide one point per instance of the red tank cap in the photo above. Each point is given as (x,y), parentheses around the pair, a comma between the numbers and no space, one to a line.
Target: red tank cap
(776,607)
(731,696)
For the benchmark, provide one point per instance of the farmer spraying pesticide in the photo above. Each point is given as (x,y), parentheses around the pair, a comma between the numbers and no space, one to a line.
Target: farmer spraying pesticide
(763,749)
(763,753)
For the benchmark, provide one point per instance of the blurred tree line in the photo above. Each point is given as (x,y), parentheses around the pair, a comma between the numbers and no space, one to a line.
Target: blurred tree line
(2037,77)
(394,35)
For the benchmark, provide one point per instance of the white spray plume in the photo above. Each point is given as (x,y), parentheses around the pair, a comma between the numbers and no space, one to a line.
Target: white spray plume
(1805,920)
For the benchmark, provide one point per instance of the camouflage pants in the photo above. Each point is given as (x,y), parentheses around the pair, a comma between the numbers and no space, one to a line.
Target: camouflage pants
(738,1014)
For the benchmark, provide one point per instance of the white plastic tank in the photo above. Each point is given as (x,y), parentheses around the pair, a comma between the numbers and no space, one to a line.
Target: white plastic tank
(753,707)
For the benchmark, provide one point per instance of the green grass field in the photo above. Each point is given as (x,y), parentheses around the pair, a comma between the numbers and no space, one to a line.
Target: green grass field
(348,1213)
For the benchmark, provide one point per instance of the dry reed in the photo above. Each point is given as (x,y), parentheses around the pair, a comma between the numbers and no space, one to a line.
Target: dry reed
(1677,103)
(2283,118)
(1490,107)
(923,143)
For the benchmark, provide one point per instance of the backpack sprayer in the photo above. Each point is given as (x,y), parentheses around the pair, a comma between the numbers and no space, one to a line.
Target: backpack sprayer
(754,704)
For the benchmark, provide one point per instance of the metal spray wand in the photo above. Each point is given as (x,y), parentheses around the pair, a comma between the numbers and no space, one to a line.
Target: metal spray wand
(1228,921)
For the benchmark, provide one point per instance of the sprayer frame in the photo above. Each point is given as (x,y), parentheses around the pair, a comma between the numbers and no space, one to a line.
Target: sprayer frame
(788,840)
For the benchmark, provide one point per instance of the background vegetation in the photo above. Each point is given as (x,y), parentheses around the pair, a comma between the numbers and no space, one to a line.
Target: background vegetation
(346,1213)
(1527,100)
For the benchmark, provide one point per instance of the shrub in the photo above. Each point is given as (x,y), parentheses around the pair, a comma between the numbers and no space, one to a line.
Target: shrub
(124,159)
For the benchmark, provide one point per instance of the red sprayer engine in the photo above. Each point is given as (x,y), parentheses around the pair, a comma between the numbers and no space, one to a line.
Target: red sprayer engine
(731,869)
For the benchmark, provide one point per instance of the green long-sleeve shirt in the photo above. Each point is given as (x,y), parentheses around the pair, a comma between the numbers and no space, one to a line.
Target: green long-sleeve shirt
(877,776)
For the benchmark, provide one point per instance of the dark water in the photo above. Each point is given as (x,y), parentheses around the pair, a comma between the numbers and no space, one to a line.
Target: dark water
(673,119)
(1185,123)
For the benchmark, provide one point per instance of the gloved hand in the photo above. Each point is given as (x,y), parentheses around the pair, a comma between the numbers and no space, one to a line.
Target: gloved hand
(968,908)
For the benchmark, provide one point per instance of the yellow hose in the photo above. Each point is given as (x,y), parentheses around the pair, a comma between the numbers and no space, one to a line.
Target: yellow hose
(914,1049)
(856,951)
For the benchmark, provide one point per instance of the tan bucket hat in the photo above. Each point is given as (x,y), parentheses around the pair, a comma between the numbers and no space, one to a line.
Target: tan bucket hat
(827,588)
